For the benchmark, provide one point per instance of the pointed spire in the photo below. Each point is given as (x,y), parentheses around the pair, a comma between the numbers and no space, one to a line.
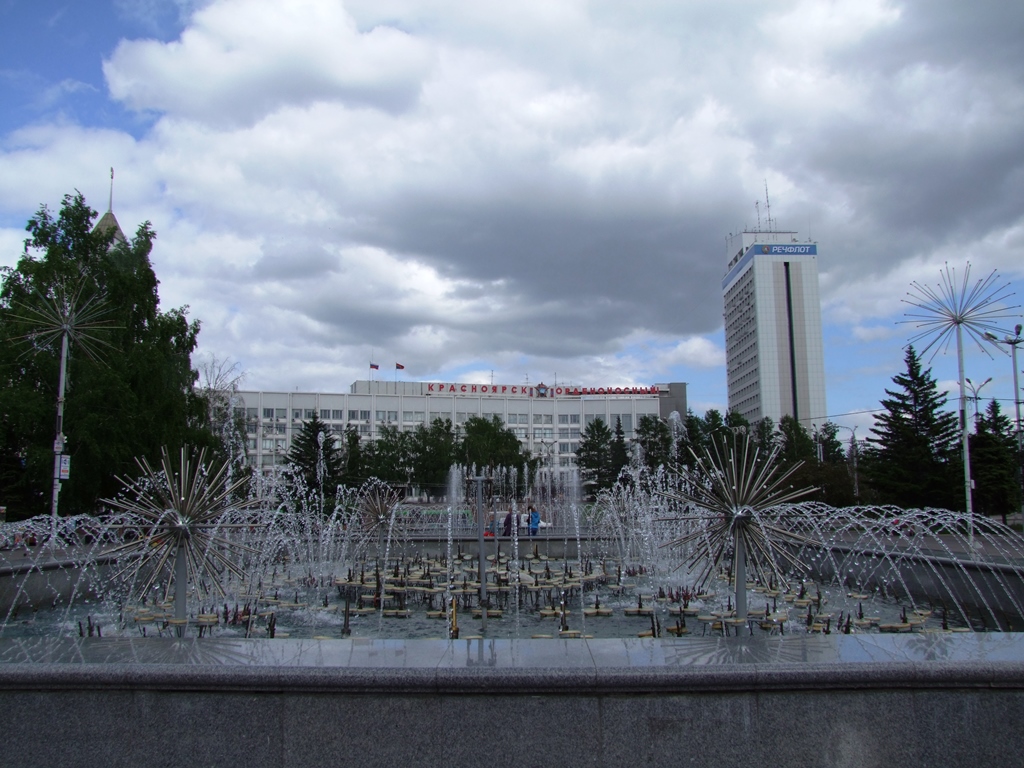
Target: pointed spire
(108,220)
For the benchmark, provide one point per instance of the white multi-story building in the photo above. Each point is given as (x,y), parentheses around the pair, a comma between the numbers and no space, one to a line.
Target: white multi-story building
(774,357)
(546,419)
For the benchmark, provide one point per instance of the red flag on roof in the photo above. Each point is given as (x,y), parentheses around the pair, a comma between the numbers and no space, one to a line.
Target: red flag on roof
(399,367)
(374,366)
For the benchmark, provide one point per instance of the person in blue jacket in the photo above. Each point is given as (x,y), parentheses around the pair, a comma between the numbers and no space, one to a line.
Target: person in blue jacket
(534,520)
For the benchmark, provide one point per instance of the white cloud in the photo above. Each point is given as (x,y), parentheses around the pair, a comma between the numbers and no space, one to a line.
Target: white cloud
(873,333)
(695,351)
(241,59)
(541,188)
(11,246)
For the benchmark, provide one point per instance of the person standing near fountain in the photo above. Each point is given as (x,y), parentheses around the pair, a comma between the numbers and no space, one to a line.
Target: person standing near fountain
(534,520)
(506,525)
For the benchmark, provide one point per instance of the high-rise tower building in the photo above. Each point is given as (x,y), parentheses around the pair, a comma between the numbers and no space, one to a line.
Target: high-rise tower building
(774,357)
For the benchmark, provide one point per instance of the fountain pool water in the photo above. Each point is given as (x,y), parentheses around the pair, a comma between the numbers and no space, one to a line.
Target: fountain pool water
(396,568)
(644,560)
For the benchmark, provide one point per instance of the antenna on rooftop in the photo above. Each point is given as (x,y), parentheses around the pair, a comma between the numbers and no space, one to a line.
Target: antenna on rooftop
(757,207)
(110,205)
(768,205)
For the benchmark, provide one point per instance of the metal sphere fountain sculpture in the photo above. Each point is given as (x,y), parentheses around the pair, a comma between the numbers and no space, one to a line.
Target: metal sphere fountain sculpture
(179,516)
(736,491)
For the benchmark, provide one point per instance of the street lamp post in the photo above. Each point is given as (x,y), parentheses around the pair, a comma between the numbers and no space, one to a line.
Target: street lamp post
(976,395)
(1013,342)
(854,450)
(944,313)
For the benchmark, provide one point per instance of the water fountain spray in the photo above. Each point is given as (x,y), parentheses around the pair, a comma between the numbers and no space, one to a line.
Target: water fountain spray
(731,486)
(180,514)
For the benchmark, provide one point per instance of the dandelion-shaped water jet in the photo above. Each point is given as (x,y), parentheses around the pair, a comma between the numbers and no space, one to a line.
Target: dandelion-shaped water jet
(735,488)
(181,516)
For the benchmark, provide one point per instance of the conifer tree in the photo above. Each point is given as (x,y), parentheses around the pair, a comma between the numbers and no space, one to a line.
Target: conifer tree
(354,472)
(764,433)
(695,439)
(912,459)
(994,464)
(594,455)
(619,453)
(312,444)
(655,440)
(796,443)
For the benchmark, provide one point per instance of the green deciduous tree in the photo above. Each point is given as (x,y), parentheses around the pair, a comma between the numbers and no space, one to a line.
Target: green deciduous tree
(388,457)
(434,450)
(912,459)
(488,443)
(137,397)
(217,388)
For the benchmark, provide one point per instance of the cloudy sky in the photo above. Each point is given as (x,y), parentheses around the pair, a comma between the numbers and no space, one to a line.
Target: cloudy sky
(536,189)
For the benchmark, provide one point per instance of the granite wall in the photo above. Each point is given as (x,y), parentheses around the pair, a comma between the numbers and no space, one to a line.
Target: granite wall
(931,713)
